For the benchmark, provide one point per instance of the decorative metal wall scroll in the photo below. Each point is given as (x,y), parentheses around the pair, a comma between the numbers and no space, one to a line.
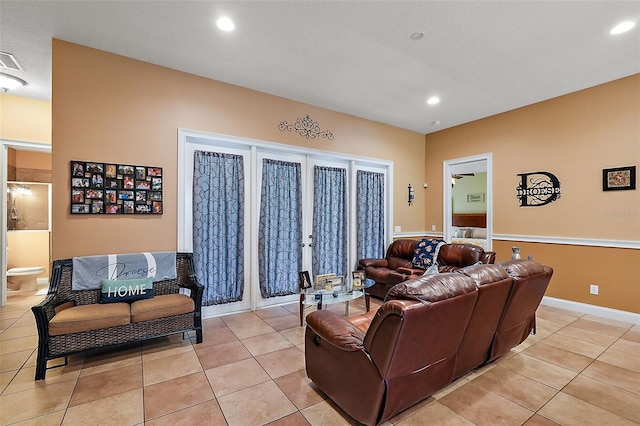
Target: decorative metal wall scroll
(537,189)
(306,127)
(107,188)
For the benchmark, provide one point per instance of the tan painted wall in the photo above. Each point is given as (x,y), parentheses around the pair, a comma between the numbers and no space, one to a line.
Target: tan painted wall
(25,119)
(576,267)
(115,109)
(574,137)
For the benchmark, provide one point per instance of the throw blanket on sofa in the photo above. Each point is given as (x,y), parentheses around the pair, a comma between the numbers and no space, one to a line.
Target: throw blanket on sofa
(426,253)
(89,271)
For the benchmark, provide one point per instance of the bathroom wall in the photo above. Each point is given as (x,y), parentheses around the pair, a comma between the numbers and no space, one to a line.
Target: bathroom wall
(32,166)
(29,248)
(29,240)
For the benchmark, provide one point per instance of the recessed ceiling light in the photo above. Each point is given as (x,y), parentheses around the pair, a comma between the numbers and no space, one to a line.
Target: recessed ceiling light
(622,27)
(433,100)
(435,123)
(225,24)
(418,35)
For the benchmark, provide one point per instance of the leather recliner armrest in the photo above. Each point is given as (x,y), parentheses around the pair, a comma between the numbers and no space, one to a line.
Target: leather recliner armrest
(378,263)
(335,330)
(488,257)
(410,271)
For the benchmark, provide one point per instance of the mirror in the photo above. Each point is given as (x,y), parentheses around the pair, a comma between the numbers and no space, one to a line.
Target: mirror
(28,206)
(467,209)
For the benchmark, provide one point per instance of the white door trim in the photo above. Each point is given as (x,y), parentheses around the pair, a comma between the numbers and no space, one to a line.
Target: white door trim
(6,144)
(447,173)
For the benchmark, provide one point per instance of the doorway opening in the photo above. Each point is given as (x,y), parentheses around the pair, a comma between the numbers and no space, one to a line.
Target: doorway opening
(25,194)
(468,200)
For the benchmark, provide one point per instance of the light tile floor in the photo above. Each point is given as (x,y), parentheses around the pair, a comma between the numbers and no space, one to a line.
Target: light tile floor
(577,370)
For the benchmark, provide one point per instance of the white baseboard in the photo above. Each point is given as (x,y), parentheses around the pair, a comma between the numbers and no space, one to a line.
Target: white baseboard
(598,311)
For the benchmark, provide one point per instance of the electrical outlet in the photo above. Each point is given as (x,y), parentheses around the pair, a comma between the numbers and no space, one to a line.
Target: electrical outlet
(433,227)
(593,289)
(397,229)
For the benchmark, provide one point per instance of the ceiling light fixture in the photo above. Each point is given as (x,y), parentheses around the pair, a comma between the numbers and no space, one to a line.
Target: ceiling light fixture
(622,27)
(433,100)
(9,82)
(225,24)
(418,35)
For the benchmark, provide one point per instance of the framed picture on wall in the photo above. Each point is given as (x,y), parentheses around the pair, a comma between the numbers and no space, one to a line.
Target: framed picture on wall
(109,188)
(619,178)
(475,198)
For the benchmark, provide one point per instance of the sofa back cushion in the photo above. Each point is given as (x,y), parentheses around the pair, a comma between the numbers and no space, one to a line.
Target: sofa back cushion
(459,255)
(432,288)
(494,286)
(402,248)
(530,281)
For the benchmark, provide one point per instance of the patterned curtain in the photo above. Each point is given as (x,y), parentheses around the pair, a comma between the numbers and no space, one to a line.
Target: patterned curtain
(370,214)
(218,227)
(329,221)
(280,228)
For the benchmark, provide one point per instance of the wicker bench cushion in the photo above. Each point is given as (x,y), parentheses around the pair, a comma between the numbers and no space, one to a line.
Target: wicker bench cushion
(89,317)
(161,306)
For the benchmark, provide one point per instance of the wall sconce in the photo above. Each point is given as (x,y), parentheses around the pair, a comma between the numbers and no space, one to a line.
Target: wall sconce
(411,194)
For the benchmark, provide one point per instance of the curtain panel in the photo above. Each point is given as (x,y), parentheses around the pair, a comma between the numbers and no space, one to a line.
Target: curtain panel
(329,221)
(370,214)
(218,226)
(280,228)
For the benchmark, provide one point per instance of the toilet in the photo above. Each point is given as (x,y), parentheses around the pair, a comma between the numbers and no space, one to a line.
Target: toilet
(24,279)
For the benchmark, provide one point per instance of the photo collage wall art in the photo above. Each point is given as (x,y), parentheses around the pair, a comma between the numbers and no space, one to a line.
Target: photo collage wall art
(107,188)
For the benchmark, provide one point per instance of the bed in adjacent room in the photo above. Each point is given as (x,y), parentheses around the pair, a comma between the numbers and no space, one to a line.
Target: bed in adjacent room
(470,228)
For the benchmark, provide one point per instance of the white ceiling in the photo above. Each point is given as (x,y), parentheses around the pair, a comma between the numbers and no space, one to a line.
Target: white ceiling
(481,58)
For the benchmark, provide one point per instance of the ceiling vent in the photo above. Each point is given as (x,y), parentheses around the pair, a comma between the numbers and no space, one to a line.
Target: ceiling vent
(8,61)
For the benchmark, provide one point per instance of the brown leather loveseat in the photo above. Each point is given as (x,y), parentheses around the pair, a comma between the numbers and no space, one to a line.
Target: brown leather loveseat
(428,332)
(397,265)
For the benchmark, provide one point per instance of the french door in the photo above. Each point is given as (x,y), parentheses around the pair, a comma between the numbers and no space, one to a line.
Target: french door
(302,222)
(256,216)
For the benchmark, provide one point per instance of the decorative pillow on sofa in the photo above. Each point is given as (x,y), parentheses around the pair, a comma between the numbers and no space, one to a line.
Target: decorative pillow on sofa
(114,291)
(426,253)
(462,232)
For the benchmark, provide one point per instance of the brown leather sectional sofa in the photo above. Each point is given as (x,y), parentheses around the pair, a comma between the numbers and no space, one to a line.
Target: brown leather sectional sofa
(396,267)
(428,332)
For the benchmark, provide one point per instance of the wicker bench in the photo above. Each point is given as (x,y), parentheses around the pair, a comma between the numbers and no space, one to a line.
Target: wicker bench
(60,343)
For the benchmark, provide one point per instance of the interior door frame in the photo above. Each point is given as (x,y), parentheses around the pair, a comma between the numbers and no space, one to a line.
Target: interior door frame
(24,146)
(463,165)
